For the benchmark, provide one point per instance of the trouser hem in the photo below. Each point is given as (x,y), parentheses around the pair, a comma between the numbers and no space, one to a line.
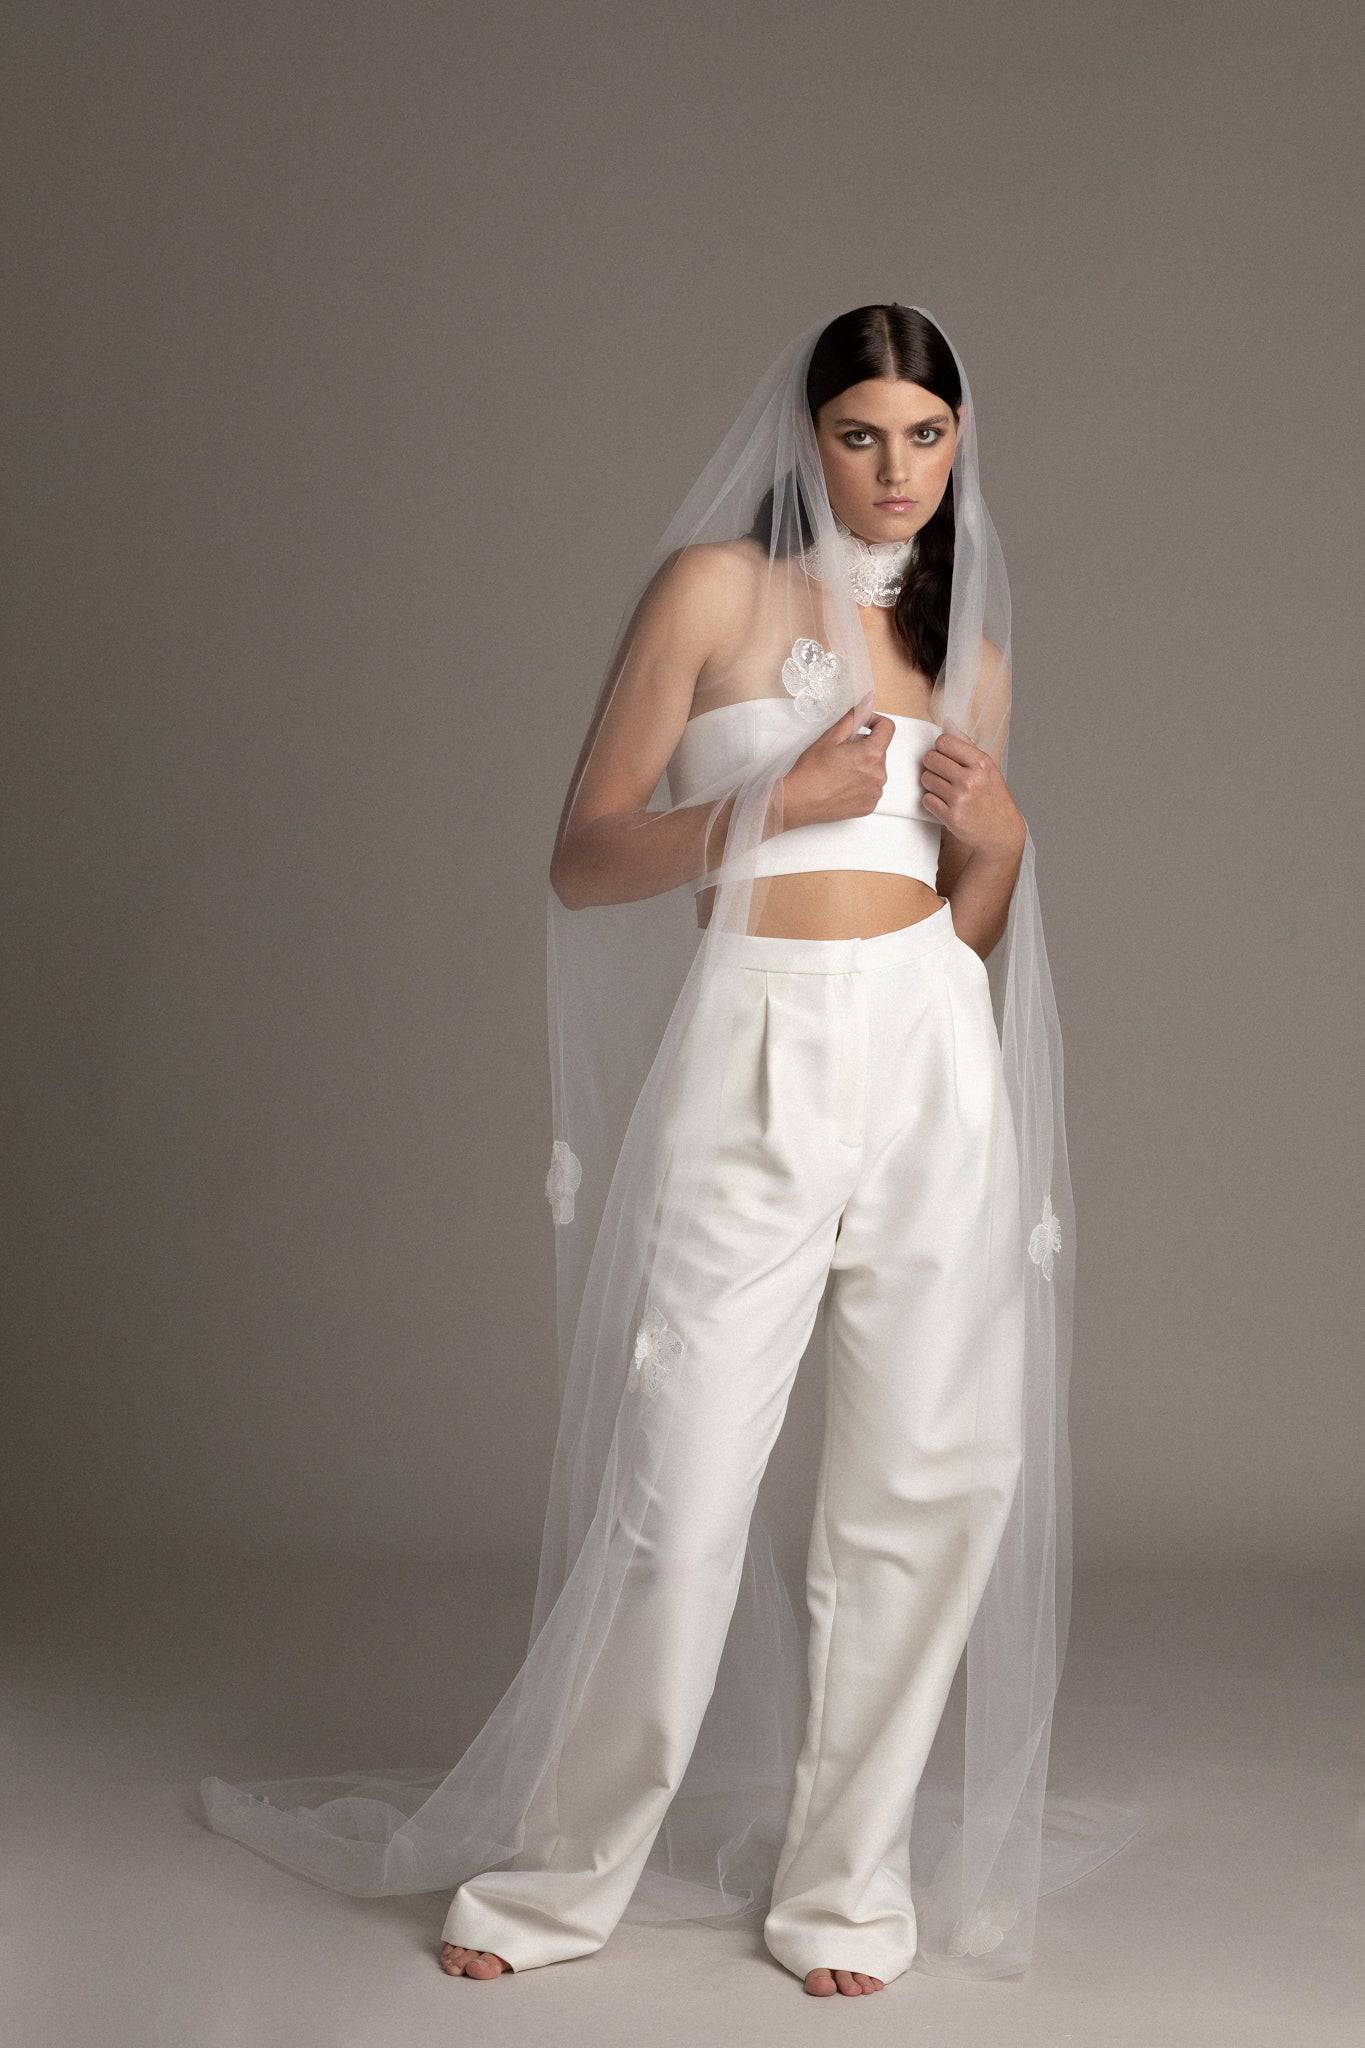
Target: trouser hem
(849,1956)
(514,1947)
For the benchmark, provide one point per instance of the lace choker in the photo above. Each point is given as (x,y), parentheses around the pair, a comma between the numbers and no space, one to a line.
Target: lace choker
(875,569)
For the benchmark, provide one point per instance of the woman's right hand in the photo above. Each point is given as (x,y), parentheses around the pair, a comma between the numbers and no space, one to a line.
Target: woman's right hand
(842,773)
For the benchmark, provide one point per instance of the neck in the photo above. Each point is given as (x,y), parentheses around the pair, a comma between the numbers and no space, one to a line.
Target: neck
(874,570)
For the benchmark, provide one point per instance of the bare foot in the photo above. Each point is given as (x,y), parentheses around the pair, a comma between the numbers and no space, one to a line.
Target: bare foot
(824,1983)
(471,1962)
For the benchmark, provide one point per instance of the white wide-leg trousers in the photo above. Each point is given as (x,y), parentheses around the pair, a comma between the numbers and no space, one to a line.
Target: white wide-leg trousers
(866,1140)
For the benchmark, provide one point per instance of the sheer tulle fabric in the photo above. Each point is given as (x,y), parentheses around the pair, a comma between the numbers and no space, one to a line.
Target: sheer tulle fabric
(639,1019)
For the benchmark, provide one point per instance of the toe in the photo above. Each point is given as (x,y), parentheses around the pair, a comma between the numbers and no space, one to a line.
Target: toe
(868,1983)
(820,1983)
(848,1983)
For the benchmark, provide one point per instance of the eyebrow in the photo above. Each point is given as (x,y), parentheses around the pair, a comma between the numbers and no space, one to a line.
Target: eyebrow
(937,419)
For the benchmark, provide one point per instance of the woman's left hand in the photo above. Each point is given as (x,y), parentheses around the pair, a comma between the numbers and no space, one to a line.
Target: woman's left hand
(964,788)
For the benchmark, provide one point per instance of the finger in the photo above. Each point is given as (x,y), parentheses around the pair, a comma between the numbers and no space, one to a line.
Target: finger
(957,747)
(846,723)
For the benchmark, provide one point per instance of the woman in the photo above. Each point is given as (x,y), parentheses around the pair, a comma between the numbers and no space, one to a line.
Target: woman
(811,1099)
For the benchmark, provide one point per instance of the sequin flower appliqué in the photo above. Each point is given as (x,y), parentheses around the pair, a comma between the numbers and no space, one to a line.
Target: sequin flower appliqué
(810,673)
(1045,1239)
(657,1350)
(565,1173)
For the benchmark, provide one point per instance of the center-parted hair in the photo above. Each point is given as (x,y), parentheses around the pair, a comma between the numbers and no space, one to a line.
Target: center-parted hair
(887,341)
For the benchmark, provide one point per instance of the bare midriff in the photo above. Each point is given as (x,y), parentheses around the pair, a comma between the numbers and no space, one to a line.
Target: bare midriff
(832,903)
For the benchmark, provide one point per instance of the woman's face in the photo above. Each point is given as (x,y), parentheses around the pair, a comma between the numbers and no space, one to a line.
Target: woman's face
(886,447)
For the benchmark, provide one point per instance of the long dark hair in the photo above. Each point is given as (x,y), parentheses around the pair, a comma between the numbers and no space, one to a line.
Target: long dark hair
(889,341)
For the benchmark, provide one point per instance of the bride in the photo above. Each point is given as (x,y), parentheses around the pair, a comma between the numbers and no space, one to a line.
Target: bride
(809,1103)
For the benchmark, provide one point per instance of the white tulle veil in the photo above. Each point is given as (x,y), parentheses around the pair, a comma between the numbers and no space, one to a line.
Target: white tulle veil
(631,984)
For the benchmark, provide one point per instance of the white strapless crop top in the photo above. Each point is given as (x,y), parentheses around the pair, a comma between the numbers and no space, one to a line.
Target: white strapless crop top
(719,747)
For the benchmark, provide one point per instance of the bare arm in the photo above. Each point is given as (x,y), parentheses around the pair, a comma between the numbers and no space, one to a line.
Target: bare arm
(610,848)
(981,894)
(984,832)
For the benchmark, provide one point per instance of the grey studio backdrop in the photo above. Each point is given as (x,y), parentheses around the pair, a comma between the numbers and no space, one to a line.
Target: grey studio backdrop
(320,321)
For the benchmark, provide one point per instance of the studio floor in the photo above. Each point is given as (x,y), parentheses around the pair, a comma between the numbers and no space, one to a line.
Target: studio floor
(1227,1706)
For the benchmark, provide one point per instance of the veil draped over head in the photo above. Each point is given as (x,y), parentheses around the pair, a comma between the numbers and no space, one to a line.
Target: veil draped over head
(639,1041)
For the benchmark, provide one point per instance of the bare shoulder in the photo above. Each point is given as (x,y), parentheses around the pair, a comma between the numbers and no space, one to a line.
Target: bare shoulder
(701,593)
(991,699)
(716,572)
(992,673)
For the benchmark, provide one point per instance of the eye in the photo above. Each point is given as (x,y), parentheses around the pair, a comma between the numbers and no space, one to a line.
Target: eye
(858,437)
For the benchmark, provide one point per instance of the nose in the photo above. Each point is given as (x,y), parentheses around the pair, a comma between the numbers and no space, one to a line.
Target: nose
(895,469)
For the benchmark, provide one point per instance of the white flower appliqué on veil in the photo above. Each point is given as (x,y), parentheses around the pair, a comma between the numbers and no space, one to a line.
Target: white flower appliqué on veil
(990,1923)
(810,673)
(564,1175)
(657,1350)
(1045,1239)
